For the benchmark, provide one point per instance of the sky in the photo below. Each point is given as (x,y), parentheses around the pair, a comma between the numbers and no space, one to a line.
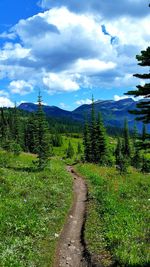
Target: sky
(70,50)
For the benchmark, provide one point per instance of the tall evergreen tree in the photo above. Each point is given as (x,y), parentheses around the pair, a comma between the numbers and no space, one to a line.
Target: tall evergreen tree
(87,142)
(94,139)
(93,133)
(135,132)
(15,125)
(126,140)
(5,130)
(79,149)
(118,151)
(3,125)
(121,160)
(144,134)
(134,137)
(43,137)
(143,108)
(101,145)
(31,134)
(70,150)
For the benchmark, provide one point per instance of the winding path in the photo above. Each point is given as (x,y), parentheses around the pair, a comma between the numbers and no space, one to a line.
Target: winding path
(70,249)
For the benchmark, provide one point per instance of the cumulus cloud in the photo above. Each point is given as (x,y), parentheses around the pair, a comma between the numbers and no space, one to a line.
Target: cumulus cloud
(33,27)
(60,82)
(13,51)
(20,87)
(83,101)
(107,8)
(5,102)
(7,35)
(91,66)
(65,51)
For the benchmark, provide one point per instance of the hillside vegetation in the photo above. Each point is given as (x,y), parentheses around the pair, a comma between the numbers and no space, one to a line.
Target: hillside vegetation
(116,226)
(36,190)
(33,208)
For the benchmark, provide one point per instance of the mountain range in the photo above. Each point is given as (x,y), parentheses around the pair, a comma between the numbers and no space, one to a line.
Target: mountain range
(113,112)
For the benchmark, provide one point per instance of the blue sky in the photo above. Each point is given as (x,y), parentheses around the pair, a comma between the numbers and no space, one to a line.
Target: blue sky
(70,49)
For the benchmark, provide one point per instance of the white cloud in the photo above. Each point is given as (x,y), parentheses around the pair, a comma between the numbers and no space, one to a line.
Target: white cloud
(8,35)
(60,83)
(5,102)
(4,93)
(83,101)
(130,31)
(20,87)
(91,66)
(117,97)
(13,51)
(65,51)
(108,8)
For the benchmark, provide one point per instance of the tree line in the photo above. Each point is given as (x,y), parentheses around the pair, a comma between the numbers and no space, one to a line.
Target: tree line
(30,134)
(130,148)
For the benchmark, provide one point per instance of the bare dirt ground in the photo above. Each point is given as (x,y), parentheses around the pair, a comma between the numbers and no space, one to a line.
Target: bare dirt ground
(70,249)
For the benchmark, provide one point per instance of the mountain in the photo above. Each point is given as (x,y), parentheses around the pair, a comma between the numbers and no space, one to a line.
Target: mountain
(113,112)
(51,111)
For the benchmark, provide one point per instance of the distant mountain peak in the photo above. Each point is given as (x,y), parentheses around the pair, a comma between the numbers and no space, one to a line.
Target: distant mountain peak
(113,112)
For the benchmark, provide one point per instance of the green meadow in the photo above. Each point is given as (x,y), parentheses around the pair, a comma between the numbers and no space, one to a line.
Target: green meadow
(32,211)
(117,223)
(34,205)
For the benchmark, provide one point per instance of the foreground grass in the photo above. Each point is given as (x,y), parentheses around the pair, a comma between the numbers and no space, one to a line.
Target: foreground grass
(117,217)
(32,210)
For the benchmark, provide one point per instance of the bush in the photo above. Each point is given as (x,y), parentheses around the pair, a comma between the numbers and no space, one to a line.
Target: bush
(122,164)
(70,151)
(145,165)
(15,148)
(5,159)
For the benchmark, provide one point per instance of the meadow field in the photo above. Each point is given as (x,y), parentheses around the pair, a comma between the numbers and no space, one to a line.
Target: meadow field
(32,211)
(34,206)
(117,228)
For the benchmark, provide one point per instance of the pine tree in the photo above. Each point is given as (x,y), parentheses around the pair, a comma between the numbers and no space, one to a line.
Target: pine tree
(93,133)
(135,133)
(87,142)
(79,150)
(5,130)
(144,134)
(56,140)
(101,144)
(43,137)
(70,151)
(31,134)
(134,138)
(3,125)
(136,159)
(121,160)
(143,108)
(126,141)
(118,151)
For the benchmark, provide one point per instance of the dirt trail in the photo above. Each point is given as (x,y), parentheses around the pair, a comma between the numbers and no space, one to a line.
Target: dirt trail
(70,249)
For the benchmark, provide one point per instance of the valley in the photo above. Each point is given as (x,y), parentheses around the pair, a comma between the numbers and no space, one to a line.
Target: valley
(71,195)
(74,133)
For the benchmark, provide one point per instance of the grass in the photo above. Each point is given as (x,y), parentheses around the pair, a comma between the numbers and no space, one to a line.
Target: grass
(117,219)
(61,151)
(32,210)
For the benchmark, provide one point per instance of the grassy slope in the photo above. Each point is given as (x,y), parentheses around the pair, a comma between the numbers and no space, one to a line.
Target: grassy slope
(117,219)
(32,211)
